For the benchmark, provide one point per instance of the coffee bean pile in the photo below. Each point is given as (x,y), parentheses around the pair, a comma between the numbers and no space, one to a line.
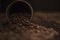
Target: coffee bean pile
(27,30)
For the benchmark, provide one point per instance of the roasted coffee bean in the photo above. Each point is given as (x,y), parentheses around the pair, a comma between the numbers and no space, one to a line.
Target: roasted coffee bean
(23,29)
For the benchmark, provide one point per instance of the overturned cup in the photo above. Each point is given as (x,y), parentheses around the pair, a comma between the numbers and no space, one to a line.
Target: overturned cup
(19,7)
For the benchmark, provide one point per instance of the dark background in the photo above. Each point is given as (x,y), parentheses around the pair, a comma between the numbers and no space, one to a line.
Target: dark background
(38,5)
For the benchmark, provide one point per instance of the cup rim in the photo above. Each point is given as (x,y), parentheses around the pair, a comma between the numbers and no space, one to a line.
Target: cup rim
(7,9)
